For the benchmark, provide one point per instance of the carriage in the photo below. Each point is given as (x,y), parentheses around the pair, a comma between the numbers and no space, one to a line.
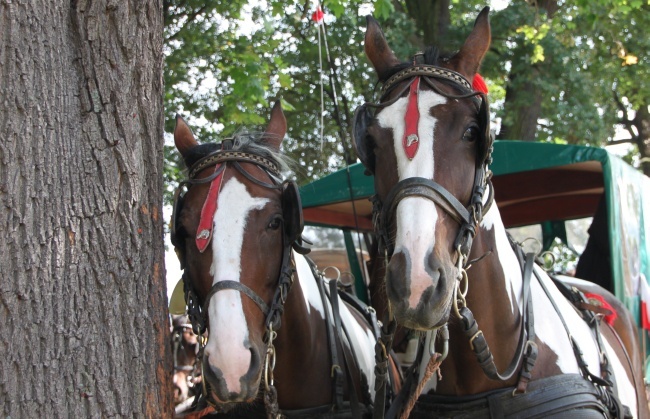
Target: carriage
(552,192)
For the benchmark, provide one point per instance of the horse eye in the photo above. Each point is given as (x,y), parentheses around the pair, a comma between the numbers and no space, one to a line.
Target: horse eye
(275,223)
(470,134)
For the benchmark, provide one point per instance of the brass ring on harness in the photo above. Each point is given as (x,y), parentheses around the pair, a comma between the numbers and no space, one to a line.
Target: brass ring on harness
(269,363)
(463,279)
(338,272)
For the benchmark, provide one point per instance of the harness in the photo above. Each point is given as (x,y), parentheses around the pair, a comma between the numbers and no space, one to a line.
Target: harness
(468,216)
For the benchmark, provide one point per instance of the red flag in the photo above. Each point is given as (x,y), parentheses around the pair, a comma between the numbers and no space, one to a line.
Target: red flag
(318,15)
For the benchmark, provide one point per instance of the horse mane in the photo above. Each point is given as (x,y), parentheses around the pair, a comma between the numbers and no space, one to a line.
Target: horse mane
(432,56)
(246,142)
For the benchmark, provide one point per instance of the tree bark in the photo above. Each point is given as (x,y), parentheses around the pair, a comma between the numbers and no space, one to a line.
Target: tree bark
(523,106)
(82,299)
(432,18)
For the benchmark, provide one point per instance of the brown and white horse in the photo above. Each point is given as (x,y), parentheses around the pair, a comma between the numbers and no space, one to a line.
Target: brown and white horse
(272,326)
(530,351)
(185,346)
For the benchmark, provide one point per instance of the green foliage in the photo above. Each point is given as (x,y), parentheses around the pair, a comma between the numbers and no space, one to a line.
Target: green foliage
(227,61)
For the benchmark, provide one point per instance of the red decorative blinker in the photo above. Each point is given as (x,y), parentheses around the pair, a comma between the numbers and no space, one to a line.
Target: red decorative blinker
(204,231)
(410,140)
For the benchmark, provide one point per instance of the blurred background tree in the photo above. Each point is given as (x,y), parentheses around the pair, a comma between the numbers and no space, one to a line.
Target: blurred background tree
(567,72)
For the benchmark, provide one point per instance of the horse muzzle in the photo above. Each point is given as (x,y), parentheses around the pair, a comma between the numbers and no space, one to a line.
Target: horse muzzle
(420,297)
(226,388)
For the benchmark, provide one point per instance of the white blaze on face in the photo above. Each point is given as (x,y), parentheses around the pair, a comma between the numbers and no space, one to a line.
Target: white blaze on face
(228,329)
(415,217)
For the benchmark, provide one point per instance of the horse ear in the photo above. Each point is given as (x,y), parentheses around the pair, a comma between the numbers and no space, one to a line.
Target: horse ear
(468,59)
(377,49)
(183,137)
(277,127)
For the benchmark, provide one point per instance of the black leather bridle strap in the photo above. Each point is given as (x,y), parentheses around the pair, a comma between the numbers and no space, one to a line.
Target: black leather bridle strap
(336,370)
(236,286)
(480,346)
(340,331)
(425,188)
(230,155)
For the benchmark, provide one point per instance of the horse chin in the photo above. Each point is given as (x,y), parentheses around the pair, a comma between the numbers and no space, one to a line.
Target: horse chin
(421,318)
(249,384)
(229,400)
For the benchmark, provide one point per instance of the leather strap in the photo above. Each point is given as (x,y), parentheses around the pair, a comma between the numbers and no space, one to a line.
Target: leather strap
(349,360)
(336,370)
(236,286)
(426,188)
(526,348)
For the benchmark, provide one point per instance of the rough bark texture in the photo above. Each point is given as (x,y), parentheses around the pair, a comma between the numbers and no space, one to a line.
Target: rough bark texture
(82,298)
(432,18)
(523,107)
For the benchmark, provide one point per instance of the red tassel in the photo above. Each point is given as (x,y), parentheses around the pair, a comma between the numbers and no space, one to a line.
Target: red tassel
(479,84)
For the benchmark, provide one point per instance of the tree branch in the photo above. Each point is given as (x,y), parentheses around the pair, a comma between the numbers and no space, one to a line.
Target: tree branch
(190,18)
(623,141)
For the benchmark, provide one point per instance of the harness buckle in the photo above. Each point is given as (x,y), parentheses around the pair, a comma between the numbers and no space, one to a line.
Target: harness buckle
(334,369)
(471,340)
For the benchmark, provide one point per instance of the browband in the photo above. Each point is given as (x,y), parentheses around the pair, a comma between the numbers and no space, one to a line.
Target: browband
(428,71)
(228,155)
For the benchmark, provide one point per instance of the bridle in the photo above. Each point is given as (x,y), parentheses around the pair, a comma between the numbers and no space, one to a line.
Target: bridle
(225,159)
(469,215)
(177,339)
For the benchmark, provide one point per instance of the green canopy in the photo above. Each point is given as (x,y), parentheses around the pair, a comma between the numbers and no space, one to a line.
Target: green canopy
(534,182)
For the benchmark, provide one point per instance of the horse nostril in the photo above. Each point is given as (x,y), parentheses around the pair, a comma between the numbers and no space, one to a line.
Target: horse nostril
(397,276)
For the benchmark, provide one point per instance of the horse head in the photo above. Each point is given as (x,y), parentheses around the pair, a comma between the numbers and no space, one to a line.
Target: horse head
(425,141)
(184,348)
(231,228)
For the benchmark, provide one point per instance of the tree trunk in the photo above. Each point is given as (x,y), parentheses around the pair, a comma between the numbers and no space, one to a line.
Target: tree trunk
(432,18)
(82,299)
(523,106)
